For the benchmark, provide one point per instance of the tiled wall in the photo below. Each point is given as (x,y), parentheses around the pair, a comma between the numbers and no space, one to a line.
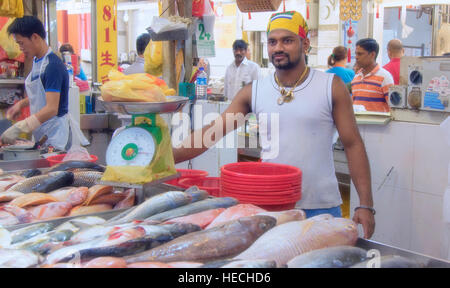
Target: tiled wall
(409,200)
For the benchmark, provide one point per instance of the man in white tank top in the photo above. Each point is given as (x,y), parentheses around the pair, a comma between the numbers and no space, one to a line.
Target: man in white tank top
(308,105)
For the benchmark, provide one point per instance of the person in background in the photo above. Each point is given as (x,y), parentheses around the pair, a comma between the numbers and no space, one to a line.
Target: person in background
(241,72)
(314,104)
(68,48)
(138,66)
(370,87)
(395,52)
(337,62)
(46,90)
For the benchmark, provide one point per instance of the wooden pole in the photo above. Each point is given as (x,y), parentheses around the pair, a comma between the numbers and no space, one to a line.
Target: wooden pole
(169,69)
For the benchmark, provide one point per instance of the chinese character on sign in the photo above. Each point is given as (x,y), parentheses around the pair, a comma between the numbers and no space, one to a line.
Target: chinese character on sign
(105,79)
(106,58)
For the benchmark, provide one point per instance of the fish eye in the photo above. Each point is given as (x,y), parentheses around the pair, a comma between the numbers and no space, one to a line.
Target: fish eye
(262,226)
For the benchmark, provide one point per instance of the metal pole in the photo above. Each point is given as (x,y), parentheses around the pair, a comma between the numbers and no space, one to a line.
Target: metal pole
(52,25)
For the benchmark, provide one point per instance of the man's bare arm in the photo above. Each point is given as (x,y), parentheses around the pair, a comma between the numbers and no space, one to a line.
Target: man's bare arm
(355,151)
(240,104)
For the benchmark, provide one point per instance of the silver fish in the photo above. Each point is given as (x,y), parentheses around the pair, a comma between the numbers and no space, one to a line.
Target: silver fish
(331,257)
(196,207)
(28,232)
(389,261)
(12,258)
(219,242)
(154,205)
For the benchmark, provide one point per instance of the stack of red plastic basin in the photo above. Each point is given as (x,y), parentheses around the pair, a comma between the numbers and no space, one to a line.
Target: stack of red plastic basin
(273,187)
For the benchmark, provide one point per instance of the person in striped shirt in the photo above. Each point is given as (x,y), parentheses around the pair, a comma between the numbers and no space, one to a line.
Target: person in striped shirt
(370,87)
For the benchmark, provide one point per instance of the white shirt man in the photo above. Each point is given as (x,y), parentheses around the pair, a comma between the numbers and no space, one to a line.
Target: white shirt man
(241,72)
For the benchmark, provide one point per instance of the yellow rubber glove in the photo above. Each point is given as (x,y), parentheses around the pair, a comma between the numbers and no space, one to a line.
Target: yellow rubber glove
(25,126)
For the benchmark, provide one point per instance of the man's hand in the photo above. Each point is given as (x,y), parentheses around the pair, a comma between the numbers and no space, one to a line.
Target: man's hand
(25,126)
(14,111)
(367,219)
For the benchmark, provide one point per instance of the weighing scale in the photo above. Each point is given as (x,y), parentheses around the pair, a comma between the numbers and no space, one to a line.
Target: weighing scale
(138,143)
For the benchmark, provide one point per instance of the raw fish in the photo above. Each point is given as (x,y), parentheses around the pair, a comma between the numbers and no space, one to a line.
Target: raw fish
(236,212)
(291,239)
(201,219)
(219,242)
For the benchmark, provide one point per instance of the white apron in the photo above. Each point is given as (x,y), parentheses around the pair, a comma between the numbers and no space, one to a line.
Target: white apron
(56,128)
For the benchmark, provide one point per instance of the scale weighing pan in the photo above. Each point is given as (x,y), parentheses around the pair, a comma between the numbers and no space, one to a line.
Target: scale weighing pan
(173,104)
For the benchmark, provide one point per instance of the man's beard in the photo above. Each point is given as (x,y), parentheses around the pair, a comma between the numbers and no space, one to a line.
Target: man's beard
(286,66)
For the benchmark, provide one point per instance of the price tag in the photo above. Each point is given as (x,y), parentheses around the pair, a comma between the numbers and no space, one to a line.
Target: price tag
(205,37)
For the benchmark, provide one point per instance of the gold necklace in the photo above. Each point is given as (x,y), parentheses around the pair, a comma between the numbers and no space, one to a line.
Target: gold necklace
(288,96)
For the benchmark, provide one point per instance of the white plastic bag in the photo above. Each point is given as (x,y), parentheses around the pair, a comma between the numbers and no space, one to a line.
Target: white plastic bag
(160,25)
(78,153)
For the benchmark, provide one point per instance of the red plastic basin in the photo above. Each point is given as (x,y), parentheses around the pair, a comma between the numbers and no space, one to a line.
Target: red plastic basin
(263,199)
(56,159)
(260,189)
(261,170)
(187,173)
(209,184)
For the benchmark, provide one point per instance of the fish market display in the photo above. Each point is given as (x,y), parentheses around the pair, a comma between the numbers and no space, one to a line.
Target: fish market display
(173,229)
(291,239)
(332,257)
(121,242)
(72,191)
(222,241)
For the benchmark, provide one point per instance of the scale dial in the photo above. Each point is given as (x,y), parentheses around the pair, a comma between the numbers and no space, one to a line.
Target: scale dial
(133,146)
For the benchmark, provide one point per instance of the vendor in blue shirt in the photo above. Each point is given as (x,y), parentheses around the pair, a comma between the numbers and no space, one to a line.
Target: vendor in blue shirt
(337,62)
(46,88)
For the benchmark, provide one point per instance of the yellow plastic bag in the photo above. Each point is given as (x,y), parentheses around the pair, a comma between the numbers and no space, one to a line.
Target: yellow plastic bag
(11,8)
(139,87)
(8,44)
(153,58)
(163,164)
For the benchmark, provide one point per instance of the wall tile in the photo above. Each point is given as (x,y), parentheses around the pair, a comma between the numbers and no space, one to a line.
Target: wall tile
(391,146)
(431,160)
(393,217)
(427,226)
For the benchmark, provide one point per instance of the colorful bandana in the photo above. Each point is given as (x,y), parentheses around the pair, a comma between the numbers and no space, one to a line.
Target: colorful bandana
(290,20)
